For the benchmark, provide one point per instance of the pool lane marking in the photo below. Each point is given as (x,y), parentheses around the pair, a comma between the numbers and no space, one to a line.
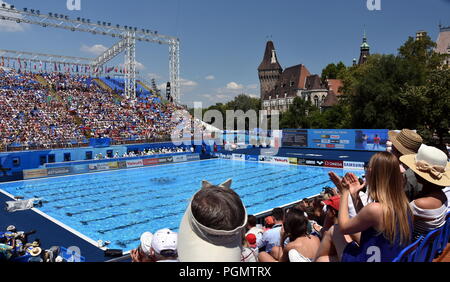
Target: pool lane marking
(60,224)
(99,172)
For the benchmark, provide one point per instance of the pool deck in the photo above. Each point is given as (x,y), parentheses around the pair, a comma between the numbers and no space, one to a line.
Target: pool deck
(49,233)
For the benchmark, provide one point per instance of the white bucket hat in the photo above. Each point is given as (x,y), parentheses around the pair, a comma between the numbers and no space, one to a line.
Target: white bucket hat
(146,242)
(198,243)
(431,164)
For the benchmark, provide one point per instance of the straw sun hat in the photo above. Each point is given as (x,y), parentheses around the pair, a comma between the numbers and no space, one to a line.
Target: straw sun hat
(406,141)
(431,164)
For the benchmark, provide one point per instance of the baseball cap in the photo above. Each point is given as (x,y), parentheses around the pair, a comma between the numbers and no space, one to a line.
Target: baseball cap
(164,240)
(251,239)
(334,202)
(146,242)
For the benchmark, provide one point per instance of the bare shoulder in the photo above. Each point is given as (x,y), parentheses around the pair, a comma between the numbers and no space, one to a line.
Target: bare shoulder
(428,203)
(374,209)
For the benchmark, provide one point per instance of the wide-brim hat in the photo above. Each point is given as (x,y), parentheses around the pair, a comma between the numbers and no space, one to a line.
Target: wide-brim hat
(431,164)
(36,252)
(198,243)
(406,141)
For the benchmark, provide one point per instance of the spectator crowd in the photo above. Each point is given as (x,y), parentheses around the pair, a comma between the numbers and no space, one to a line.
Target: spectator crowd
(67,108)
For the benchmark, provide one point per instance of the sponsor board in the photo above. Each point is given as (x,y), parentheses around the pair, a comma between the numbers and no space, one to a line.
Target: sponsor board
(122,164)
(78,169)
(34,173)
(353,165)
(113,165)
(225,156)
(150,162)
(293,161)
(238,157)
(280,160)
(252,158)
(165,160)
(100,166)
(301,161)
(193,157)
(135,163)
(179,159)
(334,164)
(266,159)
(58,171)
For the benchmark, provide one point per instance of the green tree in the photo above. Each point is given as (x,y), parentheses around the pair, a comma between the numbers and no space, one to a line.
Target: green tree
(430,104)
(333,71)
(298,115)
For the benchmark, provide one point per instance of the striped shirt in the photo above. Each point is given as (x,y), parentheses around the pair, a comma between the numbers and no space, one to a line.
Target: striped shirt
(432,219)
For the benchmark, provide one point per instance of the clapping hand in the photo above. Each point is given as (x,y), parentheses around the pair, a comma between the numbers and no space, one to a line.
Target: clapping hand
(336,180)
(351,182)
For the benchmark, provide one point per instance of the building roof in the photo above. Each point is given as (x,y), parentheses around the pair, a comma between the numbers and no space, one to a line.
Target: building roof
(443,41)
(270,60)
(330,100)
(313,82)
(335,85)
(292,79)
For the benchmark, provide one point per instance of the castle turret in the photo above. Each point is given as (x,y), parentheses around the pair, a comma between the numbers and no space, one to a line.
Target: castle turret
(365,51)
(269,71)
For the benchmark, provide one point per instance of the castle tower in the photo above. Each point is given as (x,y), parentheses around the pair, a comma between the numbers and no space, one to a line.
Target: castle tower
(365,51)
(269,71)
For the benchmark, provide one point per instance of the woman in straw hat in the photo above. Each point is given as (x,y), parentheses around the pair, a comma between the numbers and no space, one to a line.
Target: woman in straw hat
(432,170)
(382,228)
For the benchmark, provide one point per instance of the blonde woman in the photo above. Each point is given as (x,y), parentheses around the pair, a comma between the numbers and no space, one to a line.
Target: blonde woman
(382,228)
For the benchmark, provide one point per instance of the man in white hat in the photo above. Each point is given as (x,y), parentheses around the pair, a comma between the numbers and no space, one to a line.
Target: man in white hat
(213,226)
(164,246)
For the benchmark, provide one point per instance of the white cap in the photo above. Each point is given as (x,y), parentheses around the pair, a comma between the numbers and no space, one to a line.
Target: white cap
(11,228)
(164,239)
(146,242)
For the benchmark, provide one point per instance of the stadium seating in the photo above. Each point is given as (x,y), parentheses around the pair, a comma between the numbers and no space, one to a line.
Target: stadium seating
(428,248)
(409,253)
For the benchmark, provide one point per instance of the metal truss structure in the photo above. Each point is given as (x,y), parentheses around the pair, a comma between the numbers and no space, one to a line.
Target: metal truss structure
(128,37)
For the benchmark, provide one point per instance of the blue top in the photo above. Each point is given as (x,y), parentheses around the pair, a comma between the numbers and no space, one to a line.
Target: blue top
(270,238)
(374,247)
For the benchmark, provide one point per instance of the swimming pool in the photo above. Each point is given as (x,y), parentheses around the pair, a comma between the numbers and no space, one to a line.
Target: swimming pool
(119,206)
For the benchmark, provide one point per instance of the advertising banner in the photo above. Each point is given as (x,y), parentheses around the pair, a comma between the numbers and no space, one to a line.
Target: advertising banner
(251,158)
(99,166)
(122,164)
(78,169)
(339,139)
(179,159)
(238,157)
(193,157)
(266,159)
(293,161)
(334,164)
(58,171)
(353,165)
(150,162)
(165,160)
(113,165)
(34,173)
(135,163)
(280,160)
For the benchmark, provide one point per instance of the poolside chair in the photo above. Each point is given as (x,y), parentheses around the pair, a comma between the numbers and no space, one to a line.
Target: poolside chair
(408,253)
(70,255)
(429,246)
(445,235)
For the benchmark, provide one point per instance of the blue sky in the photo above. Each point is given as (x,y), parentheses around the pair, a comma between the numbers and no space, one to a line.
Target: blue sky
(222,42)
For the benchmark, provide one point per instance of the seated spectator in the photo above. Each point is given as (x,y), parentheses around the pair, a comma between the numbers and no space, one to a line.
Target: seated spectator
(36,255)
(252,229)
(143,253)
(272,237)
(382,228)
(249,249)
(213,225)
(295,229)
(332,212)
(164,246)
(433,172)
(269,222)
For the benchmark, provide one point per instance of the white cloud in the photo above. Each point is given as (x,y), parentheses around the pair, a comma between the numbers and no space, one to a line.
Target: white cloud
(187,83)
(252,86)
(96,49)
(10,26)
(210,77)
(234,86)
(140,66)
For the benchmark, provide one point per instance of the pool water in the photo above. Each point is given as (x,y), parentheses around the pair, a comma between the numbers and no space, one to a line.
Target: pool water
(119,206)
